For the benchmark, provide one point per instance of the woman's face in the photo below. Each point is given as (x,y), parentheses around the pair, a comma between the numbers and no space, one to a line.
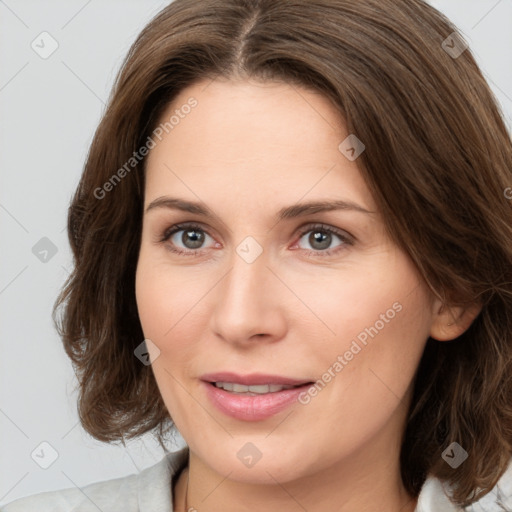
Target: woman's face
(251,281)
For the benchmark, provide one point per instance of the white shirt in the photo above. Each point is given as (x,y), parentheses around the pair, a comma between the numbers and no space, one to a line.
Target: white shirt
(151,491)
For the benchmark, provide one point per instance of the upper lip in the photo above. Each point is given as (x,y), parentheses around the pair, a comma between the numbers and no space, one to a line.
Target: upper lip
(253,379)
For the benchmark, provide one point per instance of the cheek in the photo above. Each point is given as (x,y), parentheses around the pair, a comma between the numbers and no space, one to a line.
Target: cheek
(381,335)
(167,302)
(164,302)
(368,388)
(152,302)
(373,328)
(363,303)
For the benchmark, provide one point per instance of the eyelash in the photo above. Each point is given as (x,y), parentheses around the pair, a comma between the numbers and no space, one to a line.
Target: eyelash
(190,226)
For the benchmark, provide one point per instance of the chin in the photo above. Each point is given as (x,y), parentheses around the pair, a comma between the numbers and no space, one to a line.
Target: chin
(248,464)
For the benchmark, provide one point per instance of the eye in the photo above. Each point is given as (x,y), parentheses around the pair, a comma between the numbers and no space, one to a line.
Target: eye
(321,239)
(191,239)
(185,238)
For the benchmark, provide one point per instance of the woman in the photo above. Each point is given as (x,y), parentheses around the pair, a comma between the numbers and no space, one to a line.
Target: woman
(292,243)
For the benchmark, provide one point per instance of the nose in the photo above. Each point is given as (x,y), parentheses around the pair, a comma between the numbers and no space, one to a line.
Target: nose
(249,303)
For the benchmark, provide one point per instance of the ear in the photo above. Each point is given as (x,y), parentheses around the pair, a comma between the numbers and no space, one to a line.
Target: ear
(450,322)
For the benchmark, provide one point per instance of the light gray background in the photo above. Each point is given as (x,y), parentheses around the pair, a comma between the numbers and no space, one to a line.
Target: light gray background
(49,109)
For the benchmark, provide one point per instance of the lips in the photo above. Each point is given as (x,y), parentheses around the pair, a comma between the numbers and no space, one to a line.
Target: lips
(251,407)
(254,379)
(283,392)
(254,389)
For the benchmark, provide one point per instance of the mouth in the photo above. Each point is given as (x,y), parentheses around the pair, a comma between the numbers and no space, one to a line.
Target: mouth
(257,383)
(254,390)
(256,398)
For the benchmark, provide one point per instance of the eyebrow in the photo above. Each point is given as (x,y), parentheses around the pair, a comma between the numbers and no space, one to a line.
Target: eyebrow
(288,212)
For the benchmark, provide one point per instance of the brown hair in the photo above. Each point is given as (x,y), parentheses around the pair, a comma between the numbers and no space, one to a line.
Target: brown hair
(438,159)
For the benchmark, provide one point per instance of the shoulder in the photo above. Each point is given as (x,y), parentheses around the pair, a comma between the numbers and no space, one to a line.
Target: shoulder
(112,495)
(434,496)
(149,490)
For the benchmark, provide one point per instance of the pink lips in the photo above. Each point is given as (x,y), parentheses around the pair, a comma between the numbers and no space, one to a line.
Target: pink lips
(252,379)
(252,408)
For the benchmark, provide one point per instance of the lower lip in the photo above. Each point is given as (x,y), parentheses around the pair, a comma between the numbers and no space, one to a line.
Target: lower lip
(252,408)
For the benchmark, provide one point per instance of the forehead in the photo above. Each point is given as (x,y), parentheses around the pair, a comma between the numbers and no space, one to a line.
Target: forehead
(255,141)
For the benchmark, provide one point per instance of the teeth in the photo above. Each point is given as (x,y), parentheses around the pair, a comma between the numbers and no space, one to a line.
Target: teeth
(259,389)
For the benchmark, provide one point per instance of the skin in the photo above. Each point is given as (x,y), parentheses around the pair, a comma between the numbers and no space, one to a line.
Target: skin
(247,150)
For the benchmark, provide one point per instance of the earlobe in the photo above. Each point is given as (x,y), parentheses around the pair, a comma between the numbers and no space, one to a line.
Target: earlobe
(450,322)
